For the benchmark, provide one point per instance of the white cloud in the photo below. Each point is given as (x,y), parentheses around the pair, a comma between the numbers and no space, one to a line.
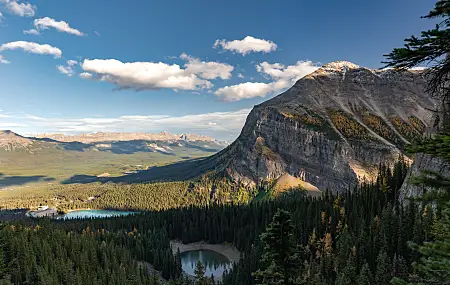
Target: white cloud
(240,75)
(32,32)
(247,45)
(283,77)
(144,75)
(86,75)
(72,62)
(3,60)
(97,33)
(11,125)
(1,16)
(61,26)
(291,72)
(244,91)
(68,69)
(32,48)
(221,125)
(20,9)
(207,70)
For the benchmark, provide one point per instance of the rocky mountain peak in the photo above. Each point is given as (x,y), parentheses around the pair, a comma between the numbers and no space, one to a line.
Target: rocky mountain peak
(340,65)
(332,128)
(10,140)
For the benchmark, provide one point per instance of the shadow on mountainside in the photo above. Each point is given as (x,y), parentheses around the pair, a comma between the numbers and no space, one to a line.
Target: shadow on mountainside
(178,171)
(128,147)
(8,181)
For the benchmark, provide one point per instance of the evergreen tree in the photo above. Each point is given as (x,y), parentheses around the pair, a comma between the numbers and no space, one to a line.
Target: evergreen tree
(365,275)
(383,274)
(200,278)
(434,266)
(280,258)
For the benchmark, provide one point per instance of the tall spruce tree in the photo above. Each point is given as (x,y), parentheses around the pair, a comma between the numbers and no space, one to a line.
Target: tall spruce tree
(434,266)
(432,47)
(280,259)
(200,278)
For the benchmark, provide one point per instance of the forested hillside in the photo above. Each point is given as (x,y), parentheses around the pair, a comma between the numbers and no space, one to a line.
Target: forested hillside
(366,227)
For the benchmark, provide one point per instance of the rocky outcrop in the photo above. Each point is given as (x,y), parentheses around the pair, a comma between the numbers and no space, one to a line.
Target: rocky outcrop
(421,163)
(332,128)
(9,141)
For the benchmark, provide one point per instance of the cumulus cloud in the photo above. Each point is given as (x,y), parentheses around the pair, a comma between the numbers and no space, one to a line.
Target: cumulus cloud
(67,69)
(279,71)
(32,32)
(72,62)
(86,75)
(144,75)
(282,77)
(20,9)
(3,60)
(221,125)
(247,45)
(61,26)
(286,76)
(32,48)
(207,70)
(244,91)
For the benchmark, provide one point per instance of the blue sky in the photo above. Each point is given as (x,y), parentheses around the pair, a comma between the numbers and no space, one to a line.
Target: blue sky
(179,66)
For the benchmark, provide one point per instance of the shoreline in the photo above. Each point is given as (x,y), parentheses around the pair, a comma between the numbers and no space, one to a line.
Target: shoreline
(226,250)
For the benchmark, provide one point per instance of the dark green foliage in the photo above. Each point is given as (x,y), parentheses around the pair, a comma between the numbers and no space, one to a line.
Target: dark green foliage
(200,278)
(280,258)
(433,268)
(330,237)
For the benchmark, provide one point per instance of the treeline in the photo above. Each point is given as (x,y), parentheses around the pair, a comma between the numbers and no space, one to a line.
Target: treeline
(341,238)
(364,232)
(143,197)
(34,254)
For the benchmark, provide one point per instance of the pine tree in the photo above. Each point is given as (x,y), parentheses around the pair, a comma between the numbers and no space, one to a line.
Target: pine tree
(280,258)
(365,275)
(382,274)
(200,278)
(434,266)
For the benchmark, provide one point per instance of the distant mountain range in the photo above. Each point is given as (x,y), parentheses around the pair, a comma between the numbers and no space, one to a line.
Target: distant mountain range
(10,141)
(53,158)
(105,136)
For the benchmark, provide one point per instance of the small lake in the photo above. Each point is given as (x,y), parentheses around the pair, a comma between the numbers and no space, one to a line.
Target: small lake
(87,214)
(214,262)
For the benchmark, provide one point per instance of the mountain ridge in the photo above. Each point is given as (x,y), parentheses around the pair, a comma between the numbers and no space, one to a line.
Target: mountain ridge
(331,129)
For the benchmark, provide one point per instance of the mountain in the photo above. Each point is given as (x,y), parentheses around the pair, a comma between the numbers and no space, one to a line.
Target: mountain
(331,129)
(59,158)
(106,137)
(9,140)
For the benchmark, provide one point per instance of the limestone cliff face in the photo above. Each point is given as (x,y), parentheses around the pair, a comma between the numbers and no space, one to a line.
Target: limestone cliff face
(332,128)
(422,162)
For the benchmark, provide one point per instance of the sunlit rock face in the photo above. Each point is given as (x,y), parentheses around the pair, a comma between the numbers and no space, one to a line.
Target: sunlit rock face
(332,128)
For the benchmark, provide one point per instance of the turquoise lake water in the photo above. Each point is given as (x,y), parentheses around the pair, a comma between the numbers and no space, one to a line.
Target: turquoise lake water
(214,262)
(87,214)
